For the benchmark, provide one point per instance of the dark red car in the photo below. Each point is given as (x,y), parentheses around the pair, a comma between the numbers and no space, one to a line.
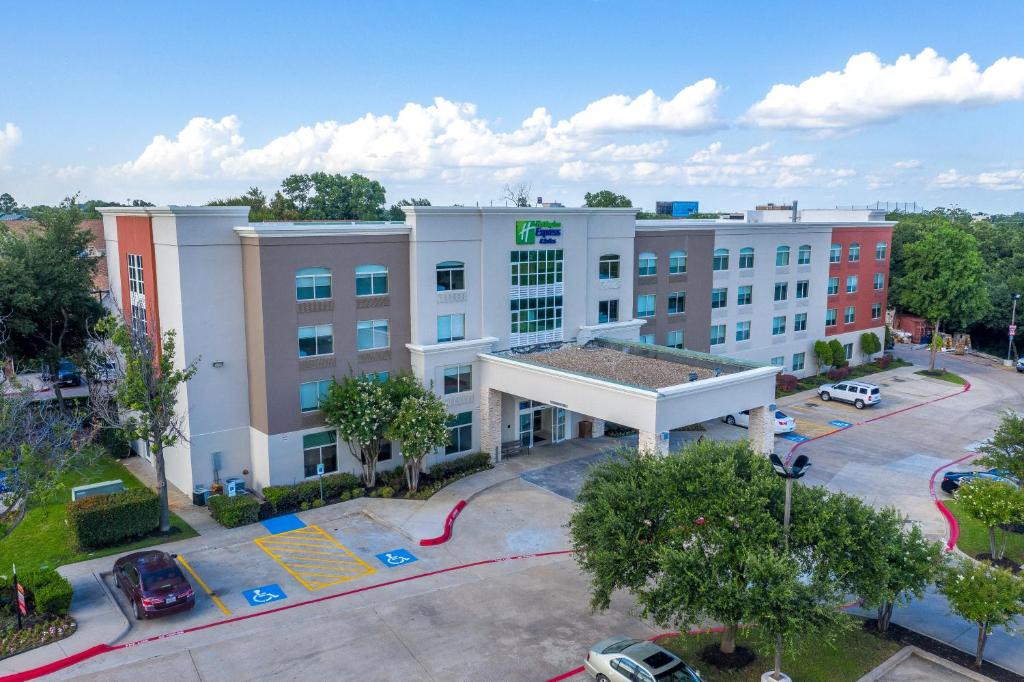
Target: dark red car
(153,583)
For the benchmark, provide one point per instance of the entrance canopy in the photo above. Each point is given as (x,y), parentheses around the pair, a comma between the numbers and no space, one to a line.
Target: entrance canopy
(650,388)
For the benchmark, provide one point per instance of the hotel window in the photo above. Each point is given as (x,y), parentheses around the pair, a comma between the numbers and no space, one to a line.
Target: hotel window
(320,448)
(746,258)
(800,322)
(743,331)
(719,298)
(645,305)
(721,260)
(371,280)
(848,349)
(136,284)
(608,311)
(779,361)
(312,284)
(372,334)
(458,379)
(608,267)
(460,433)
(677,262)
(139,326)
(851,284)
(830,317)
(799,360)
(379,377)
(778,325)
(850,315)
(802,287)
(675,339)
(879,281)
(451,275)
(833,286)
(647,339)
(540,314)
(803,256)
(745,295)
(782,256)
(781,291)
(717,334)
(648,264)
(835,253)
(677,302)
(311,393)
(137,295)
(536,268)
(854,254)
(880,249)
(876,311)
(451,327)
(318,340)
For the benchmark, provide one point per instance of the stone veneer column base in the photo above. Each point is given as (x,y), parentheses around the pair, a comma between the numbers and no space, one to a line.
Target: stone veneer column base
(650,444)
(761,432)
(598,428)
(490,423)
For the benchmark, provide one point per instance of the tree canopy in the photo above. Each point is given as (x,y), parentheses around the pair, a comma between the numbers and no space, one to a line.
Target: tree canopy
(606,199)
(1005,449)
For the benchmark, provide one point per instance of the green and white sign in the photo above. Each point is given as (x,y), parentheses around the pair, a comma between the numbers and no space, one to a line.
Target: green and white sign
(529,231)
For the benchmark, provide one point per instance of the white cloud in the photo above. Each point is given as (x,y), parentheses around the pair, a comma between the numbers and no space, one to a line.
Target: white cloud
(868,91)
(10,137)
(1003,180)
(197,151)
(692,109)
(909,164)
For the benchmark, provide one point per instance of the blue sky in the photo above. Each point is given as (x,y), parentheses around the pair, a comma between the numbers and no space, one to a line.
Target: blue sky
(181,105)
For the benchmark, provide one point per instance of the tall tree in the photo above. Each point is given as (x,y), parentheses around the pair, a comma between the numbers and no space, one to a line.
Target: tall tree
(984,595)
(396,212)
(1005,449)
(996,505)
(517,195)
(869,344)
(8,204)
(606,199)
(823,354)
(420,427)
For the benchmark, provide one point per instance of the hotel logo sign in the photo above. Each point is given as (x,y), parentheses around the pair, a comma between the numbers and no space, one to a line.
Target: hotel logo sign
(537,232)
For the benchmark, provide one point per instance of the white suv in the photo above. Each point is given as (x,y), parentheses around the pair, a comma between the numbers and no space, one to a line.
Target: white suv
(860,394)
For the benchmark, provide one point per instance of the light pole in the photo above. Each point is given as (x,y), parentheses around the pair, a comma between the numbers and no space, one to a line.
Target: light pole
(794,471)
(1013,329)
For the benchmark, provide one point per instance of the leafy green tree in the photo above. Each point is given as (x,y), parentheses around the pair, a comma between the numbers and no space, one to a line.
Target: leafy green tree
(255,199)
(606,199)
(1005,449)
(869,344)
(420,427)
(943,279)
(8,204)
(823,354)
(987,596)
(995,504)
(397,214)
(838,353)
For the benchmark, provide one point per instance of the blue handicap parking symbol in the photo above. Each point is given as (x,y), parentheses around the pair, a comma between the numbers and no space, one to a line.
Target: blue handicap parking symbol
(396,557)
(795,437)
(264,595)
(839,423)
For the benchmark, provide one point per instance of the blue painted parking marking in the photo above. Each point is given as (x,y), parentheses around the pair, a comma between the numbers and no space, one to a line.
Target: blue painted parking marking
(396,557)
(795,437)
(839,423)
(264,595)
(283,524)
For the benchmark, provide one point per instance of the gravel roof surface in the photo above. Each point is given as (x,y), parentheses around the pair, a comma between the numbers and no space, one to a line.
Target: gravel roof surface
(619,366)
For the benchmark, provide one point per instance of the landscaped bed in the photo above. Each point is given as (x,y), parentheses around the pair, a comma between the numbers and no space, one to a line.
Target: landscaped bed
(36,631)
(944,375)
(973,539)
(858,372)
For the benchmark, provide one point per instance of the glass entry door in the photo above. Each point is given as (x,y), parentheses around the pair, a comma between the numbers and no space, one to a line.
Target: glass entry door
(560,425)
(526,429)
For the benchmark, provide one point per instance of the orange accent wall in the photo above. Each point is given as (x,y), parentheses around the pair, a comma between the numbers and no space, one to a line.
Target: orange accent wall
(135,235)
(865,269)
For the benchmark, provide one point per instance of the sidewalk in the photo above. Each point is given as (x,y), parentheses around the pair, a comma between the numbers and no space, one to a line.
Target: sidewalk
(197,517)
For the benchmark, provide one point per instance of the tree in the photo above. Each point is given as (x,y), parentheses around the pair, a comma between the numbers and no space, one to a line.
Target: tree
(145,398)
(420,427)
(985,595)
(397,214)
(1005,449)
(255,199)
(517,195)
(838,353)
(996,504)
(869,344)
(8,204)
(606,199)
(943,280)
(823,354)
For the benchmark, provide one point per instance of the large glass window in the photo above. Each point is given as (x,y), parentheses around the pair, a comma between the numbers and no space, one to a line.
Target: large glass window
(778,325)
(371,280)
(675,339)
(311,393)
(136,285)
(451,327)
(835,253)
(876,311)
(536,314)
(781,256)
(312,283)
(799,360)
(745,295)
(721,260)
(848,350)
(320,448)
(645,305)
(880,249)
(460,433)
(802,287)
(648,264)
(781,291)
(854,254)
(779,361)
(717,334)
(608,267)
(850,315)
(608,311)
(451,275)
(743,331)
(536,268)
(316,340)
(458,379)
(851,284)
(830,317)
(676,302)
(719,297)
(833,286)
(804,255)
(677,262)
(647,339)
(879,281)
(372,334)
(800,322)
(746,258)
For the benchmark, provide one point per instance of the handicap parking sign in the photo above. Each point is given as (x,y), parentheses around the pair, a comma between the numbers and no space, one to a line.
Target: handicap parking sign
(396,557)
(264,595)
(795,437)
(839,423)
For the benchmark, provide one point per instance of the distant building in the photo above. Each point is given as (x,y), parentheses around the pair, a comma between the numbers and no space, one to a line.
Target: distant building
(676,209)
(548,204)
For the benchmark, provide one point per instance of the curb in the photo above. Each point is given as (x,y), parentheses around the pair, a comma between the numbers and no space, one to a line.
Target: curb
(449,524)
(110,596)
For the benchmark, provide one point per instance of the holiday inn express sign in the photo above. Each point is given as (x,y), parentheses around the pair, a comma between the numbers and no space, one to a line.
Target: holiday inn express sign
(528,231)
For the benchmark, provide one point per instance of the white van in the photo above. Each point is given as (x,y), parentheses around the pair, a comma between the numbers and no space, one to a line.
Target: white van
(857,392)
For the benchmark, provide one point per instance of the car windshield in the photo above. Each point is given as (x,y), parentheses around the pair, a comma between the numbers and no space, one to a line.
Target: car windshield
(617,647)
(780,415)
(161,577)
(874,391)
(678,673)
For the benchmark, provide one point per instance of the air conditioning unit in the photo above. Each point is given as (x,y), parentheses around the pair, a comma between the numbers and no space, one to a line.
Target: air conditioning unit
(234,486)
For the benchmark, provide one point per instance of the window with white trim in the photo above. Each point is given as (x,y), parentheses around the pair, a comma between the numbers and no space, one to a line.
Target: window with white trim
(717,334)
(312,284)
(778,325)
(802,287)
(745,294)
(608,266)
(451,275)
(648,264)
(316,340)
(851,284)
(676,302)
(312,393)
(677,262)
(799,361)
(833,286)
(781,291)
(803,256)
(880,249)
(746,258)
(876,311)
(779,361)
(720,260)
(137,295)
(850,315)
(645,305)
(371,280)
(835,253)
(879,281)
(608,311)
(743,331)
(674,339)
(372,335)
(830,317)
(319,448)
(451,327)
(800,322)
(719,297)
(781,256)
(458,379)
(854,253)
(460,433)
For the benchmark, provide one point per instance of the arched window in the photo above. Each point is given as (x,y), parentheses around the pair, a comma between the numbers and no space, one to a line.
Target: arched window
(781,256)
(677,262)
(746,258)
(804,255)
(371,280)
(608,266)
(721,260)
(451,275)
(312,283)
(648,264)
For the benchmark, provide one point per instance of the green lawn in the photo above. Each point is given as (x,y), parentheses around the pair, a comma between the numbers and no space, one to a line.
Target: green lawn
(974,536)
(42,539)
(851,656)
(944,375)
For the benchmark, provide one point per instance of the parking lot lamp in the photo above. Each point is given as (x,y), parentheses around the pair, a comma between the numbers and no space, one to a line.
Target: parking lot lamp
(1013,329)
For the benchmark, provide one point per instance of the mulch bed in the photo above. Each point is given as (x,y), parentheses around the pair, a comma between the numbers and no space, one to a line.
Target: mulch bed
(909,637)
(1008,564)
(739,658)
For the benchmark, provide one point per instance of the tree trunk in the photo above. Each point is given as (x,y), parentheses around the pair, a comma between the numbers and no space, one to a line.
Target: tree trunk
(728,644)
(982,637)
(992,542)
(933,346)
(412,474)
(884,616)
(161,485)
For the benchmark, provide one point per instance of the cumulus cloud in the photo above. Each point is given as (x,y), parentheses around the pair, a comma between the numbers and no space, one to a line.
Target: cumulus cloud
(868,91)
(10,137)
(195,152)
(1001,180)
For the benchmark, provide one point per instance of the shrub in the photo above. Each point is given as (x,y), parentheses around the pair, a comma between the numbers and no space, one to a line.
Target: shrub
(231,512)
(387,491)
(105,520)
(838,354)
(884,361)
(266,510)
(460,466)
(358,492)
(115,442)
(838,373)
(786,382)
(336,484)
(317,503)
(287,498)
(345,496)
(46,592)
(304,506)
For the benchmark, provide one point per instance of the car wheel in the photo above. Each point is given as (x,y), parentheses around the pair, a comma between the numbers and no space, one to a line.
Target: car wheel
(859,404)
(139,613)
(730,420)
(825,396)
(602,678)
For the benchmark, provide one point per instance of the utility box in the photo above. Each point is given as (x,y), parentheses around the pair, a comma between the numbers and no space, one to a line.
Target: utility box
(101,488)
(586,429)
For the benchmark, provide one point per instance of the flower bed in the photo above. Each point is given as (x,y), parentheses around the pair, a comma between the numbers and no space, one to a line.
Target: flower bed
(36,631)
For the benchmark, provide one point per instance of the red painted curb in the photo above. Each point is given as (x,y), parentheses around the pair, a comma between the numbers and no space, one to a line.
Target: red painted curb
(59,664)
(448,525)
(954,527)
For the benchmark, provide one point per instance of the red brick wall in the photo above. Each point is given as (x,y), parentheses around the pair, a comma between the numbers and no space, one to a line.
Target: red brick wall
(135,235)
(865,269)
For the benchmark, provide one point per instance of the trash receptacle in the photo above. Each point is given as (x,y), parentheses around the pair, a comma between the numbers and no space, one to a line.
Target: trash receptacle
(199,495)
(586,429)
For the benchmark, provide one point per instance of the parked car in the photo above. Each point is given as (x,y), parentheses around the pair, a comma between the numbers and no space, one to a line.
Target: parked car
(1020,365)
(67,374)
(782,423)
(952,480)
(621,659)
(858,393)
(153,584)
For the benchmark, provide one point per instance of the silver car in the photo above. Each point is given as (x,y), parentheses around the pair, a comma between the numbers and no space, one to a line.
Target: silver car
(621,659)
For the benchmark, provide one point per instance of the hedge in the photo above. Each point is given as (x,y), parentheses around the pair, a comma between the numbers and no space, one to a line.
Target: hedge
(839,373)
(443,470)
(106,520)
(288,498)
(46,591)
(234,511)
(786,382)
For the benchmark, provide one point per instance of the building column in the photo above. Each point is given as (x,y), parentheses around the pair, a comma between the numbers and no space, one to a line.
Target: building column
(761,432)
(651,444)
(598,431)
(490,423)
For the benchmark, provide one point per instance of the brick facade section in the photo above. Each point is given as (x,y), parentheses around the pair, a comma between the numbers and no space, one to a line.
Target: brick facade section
(865,269)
